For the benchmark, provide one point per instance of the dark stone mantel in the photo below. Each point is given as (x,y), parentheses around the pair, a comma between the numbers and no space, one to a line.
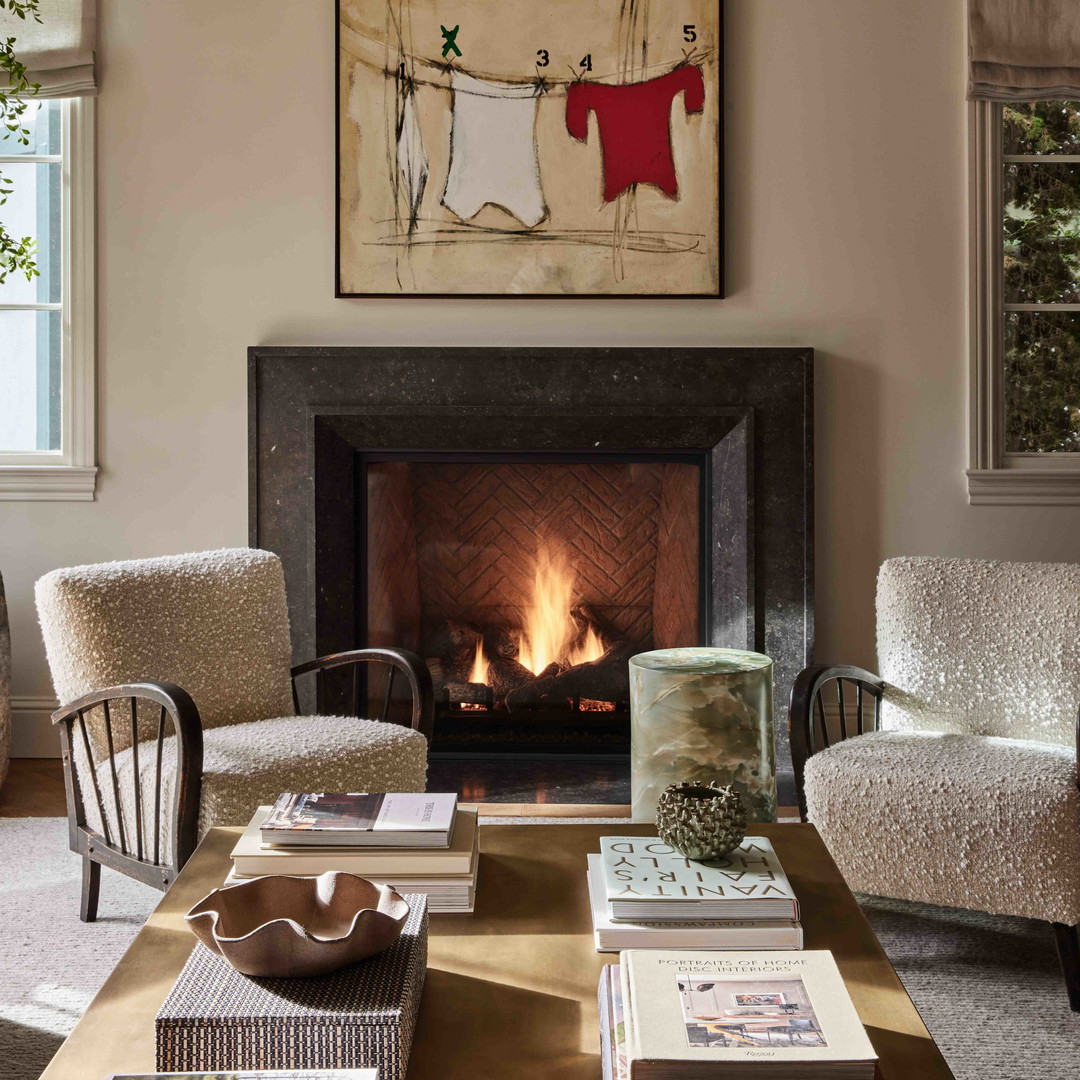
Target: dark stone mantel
(749,411)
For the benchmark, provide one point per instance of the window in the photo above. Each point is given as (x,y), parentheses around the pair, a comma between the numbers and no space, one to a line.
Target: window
(47,324)
(1026,310)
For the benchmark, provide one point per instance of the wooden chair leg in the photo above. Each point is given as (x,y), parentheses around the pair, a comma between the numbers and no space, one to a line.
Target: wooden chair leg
(91,884)
(1068,947)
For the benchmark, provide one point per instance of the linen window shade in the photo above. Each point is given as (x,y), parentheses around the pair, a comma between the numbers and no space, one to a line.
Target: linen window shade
(58,51)
(1024,50)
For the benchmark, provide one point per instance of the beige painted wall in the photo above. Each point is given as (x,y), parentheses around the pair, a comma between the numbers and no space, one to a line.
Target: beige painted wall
(846,218)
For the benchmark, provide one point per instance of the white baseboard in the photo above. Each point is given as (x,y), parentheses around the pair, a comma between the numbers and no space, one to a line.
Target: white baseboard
(32,733)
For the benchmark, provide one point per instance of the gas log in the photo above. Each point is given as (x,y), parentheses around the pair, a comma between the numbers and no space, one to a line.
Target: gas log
(605,679)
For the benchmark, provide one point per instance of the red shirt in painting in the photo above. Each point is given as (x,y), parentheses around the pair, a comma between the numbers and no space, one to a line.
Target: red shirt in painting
(634,122)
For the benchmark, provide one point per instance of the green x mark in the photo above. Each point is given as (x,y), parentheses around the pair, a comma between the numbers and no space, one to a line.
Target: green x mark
(451,43)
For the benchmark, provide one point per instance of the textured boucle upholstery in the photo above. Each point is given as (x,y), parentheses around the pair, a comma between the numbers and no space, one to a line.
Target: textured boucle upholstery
(968,796)
(248,765)
(214,623)
(960,820)
(980,648)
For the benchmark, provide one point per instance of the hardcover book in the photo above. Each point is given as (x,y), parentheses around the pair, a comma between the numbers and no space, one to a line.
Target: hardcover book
(261,1074)
(361,820)
(251,858)
(693,1015)
(612,1028)
(645,878)
(361,1016)
(742,934)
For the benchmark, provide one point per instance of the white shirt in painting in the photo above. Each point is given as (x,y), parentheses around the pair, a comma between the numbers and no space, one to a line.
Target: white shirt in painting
(493,150)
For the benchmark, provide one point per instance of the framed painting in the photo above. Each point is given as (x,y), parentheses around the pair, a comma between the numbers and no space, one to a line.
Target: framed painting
(568,147)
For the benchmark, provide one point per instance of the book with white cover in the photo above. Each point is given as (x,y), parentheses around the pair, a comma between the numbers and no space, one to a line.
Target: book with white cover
(361,819)
(252,859)
(612,1029)
(647,879)
(260,1074)
(743,1014)
(611,936)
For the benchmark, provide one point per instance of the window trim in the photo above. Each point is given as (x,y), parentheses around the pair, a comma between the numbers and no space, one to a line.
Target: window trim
(69,474)
(995,477)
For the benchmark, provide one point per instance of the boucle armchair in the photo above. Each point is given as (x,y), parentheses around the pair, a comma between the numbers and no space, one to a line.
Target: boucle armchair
(181,711)
(952,777)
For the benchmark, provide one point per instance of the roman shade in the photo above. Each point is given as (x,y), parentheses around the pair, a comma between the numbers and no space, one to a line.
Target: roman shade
(1024,50)
(58,51)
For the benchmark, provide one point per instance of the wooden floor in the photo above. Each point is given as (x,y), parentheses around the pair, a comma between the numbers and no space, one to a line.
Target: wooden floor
(35,788)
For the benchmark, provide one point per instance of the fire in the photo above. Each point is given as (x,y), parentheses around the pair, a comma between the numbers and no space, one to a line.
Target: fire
(549,631)
(479,672)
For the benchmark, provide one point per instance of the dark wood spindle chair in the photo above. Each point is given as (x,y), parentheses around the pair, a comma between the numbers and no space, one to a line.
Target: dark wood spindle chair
(126,831)
(857,711)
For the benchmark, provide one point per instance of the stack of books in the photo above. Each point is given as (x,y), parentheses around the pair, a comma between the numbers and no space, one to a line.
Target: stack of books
(744,1015)
(416,843)
(645,895)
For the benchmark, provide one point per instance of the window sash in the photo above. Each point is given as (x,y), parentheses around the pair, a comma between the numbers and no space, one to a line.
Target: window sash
(77,318)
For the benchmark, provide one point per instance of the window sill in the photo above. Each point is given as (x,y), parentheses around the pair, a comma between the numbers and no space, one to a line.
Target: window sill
(1024,487)
(47,483)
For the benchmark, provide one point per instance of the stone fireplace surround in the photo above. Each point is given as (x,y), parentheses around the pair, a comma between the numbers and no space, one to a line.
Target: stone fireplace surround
(748,413)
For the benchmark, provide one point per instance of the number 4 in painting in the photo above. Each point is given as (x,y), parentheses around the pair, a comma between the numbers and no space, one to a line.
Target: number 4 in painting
(586,62)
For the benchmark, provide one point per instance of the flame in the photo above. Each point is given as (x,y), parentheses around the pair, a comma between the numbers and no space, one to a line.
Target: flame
(479,672)
(549,631)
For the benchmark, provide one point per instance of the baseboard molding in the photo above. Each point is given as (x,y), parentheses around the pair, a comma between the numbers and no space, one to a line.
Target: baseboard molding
(32,733)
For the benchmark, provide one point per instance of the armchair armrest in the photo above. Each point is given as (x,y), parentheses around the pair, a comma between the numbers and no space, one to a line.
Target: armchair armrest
(414,669)
(808,726)
(125,850)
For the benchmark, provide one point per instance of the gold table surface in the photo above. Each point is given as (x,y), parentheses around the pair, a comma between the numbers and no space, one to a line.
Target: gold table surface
(510,990)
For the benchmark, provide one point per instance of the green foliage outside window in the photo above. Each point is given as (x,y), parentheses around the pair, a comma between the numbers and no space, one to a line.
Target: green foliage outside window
(1042,266)
(16,253)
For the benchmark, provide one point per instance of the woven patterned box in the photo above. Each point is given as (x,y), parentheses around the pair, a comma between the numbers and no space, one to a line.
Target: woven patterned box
(363,1015)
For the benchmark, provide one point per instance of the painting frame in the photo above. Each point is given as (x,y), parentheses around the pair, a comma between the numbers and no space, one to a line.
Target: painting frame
(716,234)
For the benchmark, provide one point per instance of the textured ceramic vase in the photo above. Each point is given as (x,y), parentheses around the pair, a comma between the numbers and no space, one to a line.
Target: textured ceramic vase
(701,715)
(294,926)
(701,821)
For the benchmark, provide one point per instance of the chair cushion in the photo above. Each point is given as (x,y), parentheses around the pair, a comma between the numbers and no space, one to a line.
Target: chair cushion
(980,647)
(960,820)
(214,623)
(248,765)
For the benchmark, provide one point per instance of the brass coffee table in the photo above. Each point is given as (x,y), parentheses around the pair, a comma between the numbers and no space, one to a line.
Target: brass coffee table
(510,990)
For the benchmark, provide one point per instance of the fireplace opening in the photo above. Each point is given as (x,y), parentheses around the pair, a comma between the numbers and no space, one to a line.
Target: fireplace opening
(526,582)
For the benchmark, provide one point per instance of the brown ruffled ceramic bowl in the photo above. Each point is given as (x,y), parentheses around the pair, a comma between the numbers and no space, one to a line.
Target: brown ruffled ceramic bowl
(294,926)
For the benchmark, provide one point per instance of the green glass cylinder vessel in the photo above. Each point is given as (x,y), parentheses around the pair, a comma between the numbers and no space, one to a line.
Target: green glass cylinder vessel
(699,715)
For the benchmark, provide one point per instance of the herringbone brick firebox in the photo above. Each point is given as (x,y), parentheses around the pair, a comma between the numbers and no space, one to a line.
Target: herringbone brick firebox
(527,583)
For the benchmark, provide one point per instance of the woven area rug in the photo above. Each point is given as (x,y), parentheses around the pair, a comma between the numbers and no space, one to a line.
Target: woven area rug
(988,988)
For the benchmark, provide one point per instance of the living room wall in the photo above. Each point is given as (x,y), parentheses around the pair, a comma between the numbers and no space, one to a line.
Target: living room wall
(846,219)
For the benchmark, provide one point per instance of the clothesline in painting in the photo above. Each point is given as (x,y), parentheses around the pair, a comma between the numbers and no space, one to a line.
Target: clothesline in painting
(544,83)
(493,153)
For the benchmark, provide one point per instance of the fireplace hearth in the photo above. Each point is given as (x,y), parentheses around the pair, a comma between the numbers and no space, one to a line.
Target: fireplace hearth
(526,520)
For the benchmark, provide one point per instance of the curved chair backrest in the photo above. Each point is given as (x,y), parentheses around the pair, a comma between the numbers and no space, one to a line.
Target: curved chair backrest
(214,623)
(980,648)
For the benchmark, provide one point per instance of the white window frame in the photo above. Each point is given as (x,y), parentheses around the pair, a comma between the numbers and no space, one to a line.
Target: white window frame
(994,476)
(70,473)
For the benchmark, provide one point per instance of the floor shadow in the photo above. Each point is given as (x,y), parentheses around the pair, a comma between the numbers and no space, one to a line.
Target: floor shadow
(25,1050)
